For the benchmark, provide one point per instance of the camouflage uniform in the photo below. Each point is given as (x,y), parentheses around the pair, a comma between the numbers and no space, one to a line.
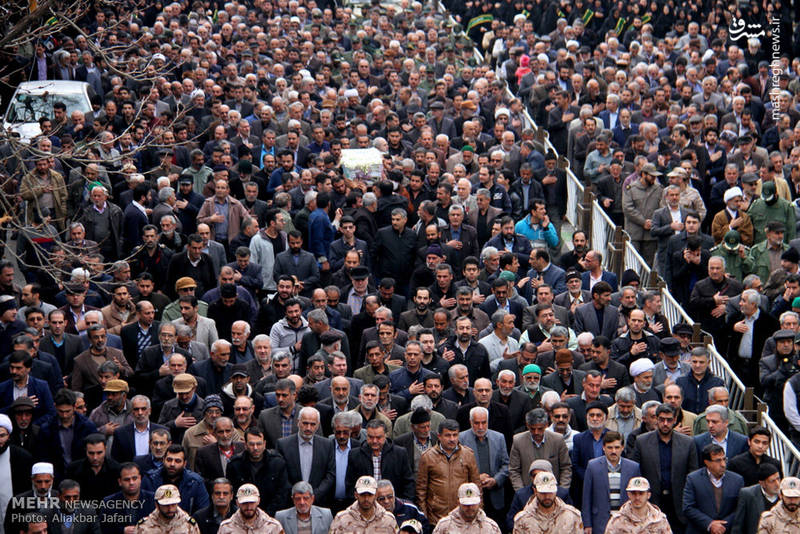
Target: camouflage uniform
(761,213)
(263,524)
(565,519)
(350,520)
(779,521)
(454,523)
(182,523)
(625,521)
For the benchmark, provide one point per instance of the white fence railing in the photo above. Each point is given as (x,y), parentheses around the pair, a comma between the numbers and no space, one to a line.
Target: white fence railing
(633,260)
(673,311)
(781,448)
(735,386)
(574,196)
(603,229)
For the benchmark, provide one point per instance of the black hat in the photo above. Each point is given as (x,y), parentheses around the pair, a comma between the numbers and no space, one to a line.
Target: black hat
(571,275)
(783,334)
(22,403)
(791,255)
(239,371)
(670,346)
(630,276)
(74,288)
(420,415)
(776,226)
(185,179)
(227,291)
(359,273)
(437,105)
(683,328)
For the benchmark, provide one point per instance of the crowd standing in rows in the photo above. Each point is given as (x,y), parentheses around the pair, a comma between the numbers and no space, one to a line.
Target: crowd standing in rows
(223,329)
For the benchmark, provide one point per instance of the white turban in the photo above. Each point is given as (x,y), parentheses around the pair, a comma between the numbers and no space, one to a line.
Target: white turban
(42,468)
(733,192)
(5,422)
(642,365)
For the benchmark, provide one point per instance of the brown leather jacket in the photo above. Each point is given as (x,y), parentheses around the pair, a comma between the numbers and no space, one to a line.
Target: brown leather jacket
(438,479)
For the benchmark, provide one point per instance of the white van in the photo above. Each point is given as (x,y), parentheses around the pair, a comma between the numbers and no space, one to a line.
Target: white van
(34,100)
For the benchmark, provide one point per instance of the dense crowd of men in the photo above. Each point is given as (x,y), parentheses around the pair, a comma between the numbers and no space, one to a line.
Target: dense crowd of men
(223,328)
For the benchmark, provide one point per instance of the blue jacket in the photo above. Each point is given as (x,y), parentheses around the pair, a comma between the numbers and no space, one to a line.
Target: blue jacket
(611,278)
(400,379)
(596,509)
(194,495)
(36,387)
(737,443)
(583,451)
(548,234)
(320,233)
(498,462)
(554,277)
(699,504)
(695,394)
(521,247)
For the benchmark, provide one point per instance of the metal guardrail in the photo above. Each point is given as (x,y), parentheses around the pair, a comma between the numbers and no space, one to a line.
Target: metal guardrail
(781,448)
(633,260)
(735,386)
(603,233)
(574,193)
(603,230)
(673,311)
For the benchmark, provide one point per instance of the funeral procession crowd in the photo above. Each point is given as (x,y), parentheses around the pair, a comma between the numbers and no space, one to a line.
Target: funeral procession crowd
(213,321)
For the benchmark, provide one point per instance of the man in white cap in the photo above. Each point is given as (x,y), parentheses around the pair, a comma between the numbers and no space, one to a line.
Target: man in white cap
(642,374)
(249,517)
(546,513)
(42,490)
(168,518)
(733,217)
(364,515)
(468,517)
(785,516)
(637,515)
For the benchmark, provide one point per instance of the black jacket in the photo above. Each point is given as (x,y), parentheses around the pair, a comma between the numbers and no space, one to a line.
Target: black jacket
(393,253)
(475,358)
(49,444)
(395,466)
(206,518)
(94,486)
(270,478)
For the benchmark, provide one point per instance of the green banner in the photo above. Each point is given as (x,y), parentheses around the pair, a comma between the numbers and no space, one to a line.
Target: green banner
(480,19)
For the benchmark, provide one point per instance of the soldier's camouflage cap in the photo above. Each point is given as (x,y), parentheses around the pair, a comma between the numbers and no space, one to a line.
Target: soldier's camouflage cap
(167,494)
(638,484)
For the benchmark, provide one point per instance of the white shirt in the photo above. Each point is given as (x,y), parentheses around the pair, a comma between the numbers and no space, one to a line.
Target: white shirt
(141,440)
(676,217)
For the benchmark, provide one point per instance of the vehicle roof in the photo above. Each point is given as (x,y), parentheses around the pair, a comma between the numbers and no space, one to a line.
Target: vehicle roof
(52,86)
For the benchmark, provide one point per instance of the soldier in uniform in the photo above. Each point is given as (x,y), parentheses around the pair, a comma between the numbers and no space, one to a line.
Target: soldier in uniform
(468,517)
(733,252)
(364,515)
(545,513)
(784,518)
(638,516)
(167,518)
(770,207)
(249,517)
